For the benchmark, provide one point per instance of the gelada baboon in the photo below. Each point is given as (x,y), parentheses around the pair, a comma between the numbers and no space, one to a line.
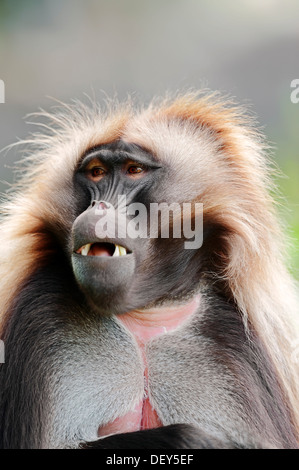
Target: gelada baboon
(140,342)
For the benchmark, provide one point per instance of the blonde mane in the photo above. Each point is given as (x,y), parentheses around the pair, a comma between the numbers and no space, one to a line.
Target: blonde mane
(230,174)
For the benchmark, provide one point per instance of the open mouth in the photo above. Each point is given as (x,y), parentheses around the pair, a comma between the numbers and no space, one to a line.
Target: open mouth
(102,249)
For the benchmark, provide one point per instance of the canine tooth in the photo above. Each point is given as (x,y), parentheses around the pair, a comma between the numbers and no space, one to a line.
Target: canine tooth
(122,250)
(85,249)
(116,251)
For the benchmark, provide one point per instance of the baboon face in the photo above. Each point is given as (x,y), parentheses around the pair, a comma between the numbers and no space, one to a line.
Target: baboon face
(122,260)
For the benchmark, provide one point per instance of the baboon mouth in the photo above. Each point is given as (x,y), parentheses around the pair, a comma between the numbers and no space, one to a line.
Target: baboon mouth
(102,249)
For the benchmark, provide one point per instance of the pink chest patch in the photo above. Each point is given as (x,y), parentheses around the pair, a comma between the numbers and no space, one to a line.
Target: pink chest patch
(145,325)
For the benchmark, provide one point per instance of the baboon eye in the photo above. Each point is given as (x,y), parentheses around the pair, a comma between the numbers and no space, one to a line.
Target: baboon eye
(135,170)
(97,171)
(94,170)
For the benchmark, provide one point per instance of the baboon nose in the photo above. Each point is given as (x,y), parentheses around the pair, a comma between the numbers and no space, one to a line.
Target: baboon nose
(100,207)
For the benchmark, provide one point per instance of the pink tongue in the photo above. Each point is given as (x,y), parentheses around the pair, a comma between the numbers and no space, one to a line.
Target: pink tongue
(98,249)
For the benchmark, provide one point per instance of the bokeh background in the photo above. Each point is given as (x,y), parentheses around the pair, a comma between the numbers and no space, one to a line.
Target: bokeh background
(65,48)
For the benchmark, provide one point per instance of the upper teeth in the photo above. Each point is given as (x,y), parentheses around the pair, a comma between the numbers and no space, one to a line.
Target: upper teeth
(119,250)
(85,249)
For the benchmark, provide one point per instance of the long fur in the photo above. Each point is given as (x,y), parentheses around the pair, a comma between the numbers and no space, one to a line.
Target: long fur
(224,161)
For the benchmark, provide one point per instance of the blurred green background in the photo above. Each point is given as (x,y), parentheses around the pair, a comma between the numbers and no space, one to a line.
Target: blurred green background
(65,48)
